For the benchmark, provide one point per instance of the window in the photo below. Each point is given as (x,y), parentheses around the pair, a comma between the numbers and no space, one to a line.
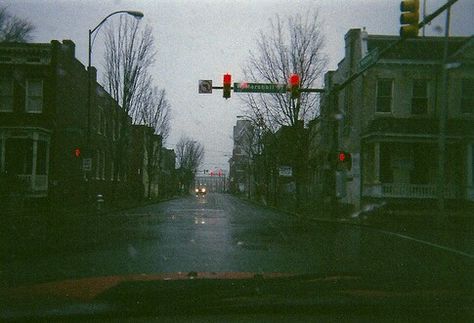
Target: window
(97,164)
(100,127)
(34,96)
(384,95)
(112,169)
(41,158)
(102,166)
(386,170)
(419,99)
(467,96)
(19,156)
(6,95)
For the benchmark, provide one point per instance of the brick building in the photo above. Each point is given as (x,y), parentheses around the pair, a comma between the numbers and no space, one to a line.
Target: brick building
(44,126)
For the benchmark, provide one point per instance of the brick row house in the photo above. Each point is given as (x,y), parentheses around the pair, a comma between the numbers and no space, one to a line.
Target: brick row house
(44,128)
(388,119)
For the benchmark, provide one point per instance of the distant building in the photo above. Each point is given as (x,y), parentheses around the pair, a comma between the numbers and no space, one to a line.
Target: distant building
(388,119)
(145,162)
(240,162)
(168,182)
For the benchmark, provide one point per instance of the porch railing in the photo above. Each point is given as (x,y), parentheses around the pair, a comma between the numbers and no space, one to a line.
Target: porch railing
(403,190)
(37,184)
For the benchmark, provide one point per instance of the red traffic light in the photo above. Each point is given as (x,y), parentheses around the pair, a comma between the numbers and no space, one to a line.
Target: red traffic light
(294,83)
(342,156)
(227,79)
(294,80)
(226,86)
(344,160)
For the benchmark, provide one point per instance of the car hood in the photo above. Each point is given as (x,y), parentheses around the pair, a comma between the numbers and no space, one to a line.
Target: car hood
(210,292)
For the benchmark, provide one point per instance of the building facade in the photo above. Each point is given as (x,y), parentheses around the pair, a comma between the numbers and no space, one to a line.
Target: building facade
(53,147)
(388,120)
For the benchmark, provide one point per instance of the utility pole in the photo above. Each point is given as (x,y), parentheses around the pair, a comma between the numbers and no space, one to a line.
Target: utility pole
(442,121)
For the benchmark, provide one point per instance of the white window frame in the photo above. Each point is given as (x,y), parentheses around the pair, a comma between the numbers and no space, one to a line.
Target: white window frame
(377,94)
(27,96)
(464,96)
(427,82)
(100,122)
(8,95)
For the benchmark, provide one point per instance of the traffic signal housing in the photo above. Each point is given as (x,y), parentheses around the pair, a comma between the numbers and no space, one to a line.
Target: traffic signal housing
(77,152)
(342,160)
(226,86)
(409,18)
(294,84)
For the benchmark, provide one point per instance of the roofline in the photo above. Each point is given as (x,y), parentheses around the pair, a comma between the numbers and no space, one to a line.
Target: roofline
(423,38)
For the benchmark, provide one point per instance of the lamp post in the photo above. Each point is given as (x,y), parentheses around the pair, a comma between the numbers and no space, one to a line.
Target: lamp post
(136,14)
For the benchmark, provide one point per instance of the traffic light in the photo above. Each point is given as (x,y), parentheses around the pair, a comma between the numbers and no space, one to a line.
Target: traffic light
(226,86)
(344,160)
(409,18)
(77,152)
(341,160)
(294,83)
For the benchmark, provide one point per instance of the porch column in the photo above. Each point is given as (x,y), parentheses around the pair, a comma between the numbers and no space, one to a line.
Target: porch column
(377,162)
(33,162)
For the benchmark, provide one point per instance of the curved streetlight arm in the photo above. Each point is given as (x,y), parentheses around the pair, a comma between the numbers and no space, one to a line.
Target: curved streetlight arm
(136,14)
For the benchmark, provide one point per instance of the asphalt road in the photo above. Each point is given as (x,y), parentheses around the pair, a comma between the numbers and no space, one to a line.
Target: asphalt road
(220,233)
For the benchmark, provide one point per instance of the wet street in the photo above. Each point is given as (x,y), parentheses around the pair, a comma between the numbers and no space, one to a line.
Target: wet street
(221,233)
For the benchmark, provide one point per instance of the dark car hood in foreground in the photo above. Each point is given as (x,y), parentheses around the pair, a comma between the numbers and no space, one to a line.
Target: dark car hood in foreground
(224,293)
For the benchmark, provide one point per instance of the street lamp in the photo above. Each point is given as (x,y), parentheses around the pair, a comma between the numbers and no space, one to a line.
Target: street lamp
(136,14)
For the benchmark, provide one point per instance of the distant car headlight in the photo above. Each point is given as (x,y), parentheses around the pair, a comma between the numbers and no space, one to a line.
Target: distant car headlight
(197,190)
(204,190)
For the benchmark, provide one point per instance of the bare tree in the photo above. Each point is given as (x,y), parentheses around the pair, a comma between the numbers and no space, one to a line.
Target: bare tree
(152,109)
(13,28)
(291,47)
(128,56)
(189,156)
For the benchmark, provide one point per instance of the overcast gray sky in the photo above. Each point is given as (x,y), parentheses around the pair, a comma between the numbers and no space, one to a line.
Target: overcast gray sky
(207,38)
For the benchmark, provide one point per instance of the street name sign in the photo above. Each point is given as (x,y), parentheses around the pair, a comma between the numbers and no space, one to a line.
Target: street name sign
(260,87)
(87,164)
(368,59)
(285,171)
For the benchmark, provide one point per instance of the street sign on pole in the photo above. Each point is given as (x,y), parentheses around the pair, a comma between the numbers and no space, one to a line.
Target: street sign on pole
(368,59)
(285,171)
(205,86)
(87,164)
(260,87)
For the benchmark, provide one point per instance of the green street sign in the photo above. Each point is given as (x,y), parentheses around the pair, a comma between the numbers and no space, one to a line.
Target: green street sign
(260,87)
(368,59)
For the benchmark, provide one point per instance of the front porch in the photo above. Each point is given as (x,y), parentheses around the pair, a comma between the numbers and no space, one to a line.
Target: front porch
(24,160)
(409,170)
(404,190)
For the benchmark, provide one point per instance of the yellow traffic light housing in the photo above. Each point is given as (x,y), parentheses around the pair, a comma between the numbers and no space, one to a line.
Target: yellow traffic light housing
(409,18)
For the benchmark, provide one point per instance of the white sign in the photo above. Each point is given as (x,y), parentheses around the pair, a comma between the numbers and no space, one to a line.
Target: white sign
(285,171)
(205,86)
(87,164)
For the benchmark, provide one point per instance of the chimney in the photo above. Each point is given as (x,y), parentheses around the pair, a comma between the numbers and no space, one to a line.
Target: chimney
(71,47)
